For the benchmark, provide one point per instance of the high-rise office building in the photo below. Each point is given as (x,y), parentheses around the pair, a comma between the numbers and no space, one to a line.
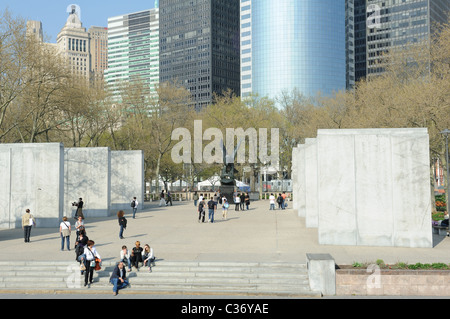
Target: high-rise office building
(395,23)
(34,28)
(133,50)
(360,42)
(73,44)
(349,43)
(98,37)
(199,46)
(293,44)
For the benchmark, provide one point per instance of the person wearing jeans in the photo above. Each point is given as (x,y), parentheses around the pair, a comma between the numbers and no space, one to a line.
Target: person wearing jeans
(122,222)
(125,257)
(211,209)
(118,278)
(272,202)
(28,221)
(64,230)
(134,204)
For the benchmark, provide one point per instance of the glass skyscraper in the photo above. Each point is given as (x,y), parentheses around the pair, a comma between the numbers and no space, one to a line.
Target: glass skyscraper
(293,44)
(133,50)
(199,42)
(395,23)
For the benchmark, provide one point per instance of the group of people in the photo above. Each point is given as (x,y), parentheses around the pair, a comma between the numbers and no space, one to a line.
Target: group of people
(90,259)
(85,251)
(241,200)
(281,201)
(202,204)
(137,255)
(165,198)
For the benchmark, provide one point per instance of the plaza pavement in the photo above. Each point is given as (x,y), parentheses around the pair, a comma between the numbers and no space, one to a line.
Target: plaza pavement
(256,235)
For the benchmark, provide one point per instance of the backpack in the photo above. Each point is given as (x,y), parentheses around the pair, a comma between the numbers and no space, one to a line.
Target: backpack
(226,205)
(133,203)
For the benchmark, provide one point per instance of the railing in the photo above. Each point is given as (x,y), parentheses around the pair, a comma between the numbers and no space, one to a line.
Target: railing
(188,196)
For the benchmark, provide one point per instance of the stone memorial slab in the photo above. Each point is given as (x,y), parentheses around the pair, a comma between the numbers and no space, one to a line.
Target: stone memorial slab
(87,175)
(31,177)
(127,179)
(373,187)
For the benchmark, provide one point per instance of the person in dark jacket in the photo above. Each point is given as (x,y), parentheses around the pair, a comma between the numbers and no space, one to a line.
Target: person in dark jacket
(136,255)
(242,196)
(119,278)
(122,222)
(80,244)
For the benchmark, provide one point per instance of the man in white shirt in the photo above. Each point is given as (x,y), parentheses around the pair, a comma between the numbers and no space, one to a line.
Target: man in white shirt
(134,205)
(272,202)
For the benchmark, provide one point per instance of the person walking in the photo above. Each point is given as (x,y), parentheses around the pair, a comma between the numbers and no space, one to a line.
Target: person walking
(161,198)
(28,222)
(272,201)
(225,207)
(79,226)
(169,199)
(201,210)
(122,222)
(284,200)
(212,206)
(237,202)
(80,244)
(64,231)
(118,278)
(195,198)
(90,254)
(247,200)
(280,201)
(242,197)
(134,206)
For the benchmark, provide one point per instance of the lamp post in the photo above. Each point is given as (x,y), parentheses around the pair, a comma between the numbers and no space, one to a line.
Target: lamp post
(446,132)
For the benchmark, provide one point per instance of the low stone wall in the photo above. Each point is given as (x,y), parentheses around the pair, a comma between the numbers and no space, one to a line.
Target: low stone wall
(381,282)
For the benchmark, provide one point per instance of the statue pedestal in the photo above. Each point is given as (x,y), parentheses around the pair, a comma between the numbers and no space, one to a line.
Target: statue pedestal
(227,191)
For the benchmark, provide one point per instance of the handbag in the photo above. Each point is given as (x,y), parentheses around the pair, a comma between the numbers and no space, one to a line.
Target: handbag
(97,264)
(66,232)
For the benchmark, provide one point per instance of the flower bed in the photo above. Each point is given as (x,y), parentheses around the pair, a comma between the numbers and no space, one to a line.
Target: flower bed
(393,280)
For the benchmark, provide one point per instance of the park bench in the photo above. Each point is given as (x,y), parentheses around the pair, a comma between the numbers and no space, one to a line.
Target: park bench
(441,230)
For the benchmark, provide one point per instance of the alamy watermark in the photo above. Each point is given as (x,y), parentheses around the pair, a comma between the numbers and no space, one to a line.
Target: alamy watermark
(225,151)
(374,17)
(73,280)
(374,280)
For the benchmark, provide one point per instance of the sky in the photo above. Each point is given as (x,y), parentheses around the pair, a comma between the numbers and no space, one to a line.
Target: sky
(53,15)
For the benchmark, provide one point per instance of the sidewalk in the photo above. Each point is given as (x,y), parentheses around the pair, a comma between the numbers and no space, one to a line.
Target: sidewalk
(257,235)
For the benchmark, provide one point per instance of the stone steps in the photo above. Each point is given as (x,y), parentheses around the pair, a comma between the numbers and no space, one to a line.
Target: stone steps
(166,277)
